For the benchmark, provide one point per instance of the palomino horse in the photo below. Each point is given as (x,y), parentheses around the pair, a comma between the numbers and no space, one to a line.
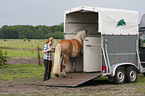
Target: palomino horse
(66,49)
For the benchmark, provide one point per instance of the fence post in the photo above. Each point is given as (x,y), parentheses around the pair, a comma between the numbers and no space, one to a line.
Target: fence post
(38,54)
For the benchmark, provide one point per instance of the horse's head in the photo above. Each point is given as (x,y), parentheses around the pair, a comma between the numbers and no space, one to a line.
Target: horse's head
(81,35)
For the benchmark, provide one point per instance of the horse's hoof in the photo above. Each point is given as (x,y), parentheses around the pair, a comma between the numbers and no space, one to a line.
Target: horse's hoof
(65,76)
(56,75)
(74,70)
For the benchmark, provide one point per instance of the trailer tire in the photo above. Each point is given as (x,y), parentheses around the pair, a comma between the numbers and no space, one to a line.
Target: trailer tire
(131,74)
(119,75)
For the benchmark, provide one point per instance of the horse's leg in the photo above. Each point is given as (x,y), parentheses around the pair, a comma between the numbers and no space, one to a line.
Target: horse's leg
(64,65)
(74,64)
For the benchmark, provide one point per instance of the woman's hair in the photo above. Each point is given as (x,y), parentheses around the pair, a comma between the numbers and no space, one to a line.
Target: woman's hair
(48,40)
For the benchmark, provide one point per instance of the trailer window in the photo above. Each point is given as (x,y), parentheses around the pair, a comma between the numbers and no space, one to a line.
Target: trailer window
(142,41)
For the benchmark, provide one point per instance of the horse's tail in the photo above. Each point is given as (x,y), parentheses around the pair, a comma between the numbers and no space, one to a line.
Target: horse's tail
(57,59)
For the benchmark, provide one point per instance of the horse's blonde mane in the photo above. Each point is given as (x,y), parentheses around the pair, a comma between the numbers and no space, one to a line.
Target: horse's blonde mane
(81,35)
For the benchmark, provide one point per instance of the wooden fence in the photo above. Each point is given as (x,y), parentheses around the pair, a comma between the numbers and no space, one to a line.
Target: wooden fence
(36,49)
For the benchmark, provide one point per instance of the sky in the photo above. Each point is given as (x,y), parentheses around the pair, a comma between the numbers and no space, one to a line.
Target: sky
(51,12)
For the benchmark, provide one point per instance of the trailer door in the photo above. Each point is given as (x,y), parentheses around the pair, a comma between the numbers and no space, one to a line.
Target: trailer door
(92,54)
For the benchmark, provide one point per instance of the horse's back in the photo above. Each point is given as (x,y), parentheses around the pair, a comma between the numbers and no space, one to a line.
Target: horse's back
(70,47)
(65,44)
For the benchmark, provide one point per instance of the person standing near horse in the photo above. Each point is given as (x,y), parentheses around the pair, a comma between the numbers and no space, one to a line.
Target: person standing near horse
(47,50)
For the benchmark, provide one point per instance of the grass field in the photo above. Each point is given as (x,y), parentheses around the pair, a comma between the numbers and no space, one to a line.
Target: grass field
(19,43)
(11,72)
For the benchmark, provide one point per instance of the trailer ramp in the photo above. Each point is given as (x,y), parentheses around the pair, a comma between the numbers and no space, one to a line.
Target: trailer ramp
(73,79)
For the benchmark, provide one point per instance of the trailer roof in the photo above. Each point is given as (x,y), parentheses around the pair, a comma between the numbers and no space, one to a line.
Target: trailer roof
(142,24)
(95,9)
(112,21)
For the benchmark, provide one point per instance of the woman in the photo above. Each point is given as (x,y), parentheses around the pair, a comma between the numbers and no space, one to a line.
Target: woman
(47,50)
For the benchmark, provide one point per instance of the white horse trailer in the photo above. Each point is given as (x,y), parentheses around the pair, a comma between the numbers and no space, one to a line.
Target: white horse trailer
(110,49)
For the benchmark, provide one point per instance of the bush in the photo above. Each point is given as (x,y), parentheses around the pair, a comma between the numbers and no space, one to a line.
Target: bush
(24,39)
(2,58)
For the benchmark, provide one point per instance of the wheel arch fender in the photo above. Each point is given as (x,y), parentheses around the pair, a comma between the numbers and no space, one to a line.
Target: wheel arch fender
(115,66)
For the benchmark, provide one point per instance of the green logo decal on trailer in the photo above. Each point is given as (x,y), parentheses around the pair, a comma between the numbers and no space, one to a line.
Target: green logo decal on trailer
(121,23)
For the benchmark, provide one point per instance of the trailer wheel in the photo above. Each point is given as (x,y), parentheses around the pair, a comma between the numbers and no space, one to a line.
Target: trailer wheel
(131,74)
(119,75)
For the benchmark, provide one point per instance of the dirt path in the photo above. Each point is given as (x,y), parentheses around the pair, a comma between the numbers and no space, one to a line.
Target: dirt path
(23,60)
(92,88)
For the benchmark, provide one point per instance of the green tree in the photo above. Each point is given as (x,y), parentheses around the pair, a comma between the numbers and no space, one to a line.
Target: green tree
(58,35)
(31,32)
(1,33)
